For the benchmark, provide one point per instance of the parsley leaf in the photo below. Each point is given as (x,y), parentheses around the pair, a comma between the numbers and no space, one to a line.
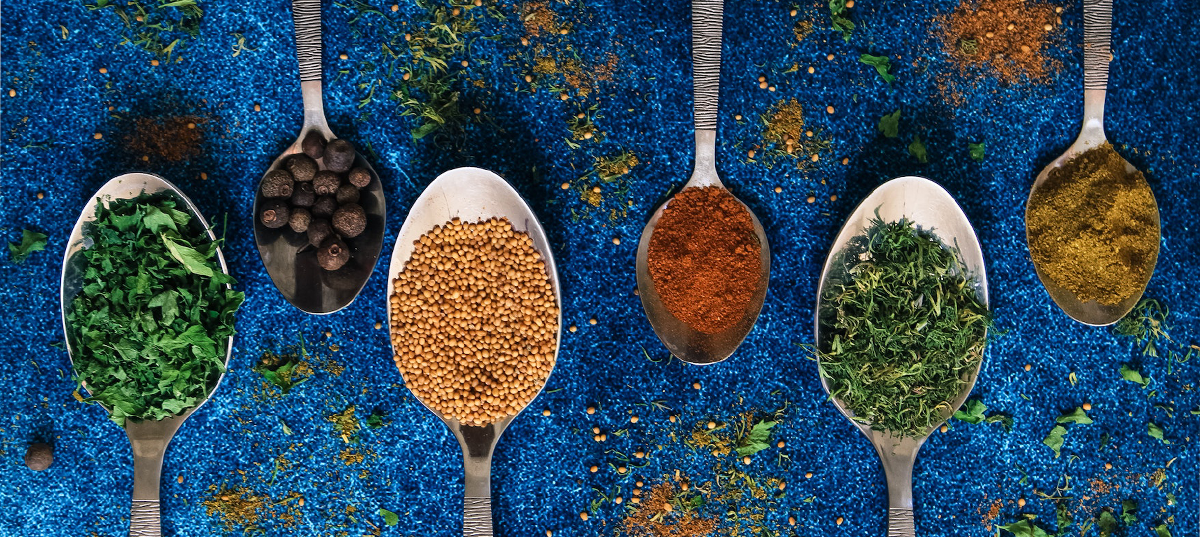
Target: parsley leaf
(917,149)
(882,65)
(1162,530)
(375,420)
(1024,528)
(838,19)
(889,124)
(973,412)
(1156,431)
(1107,523)
(758,439)
(31,241)
(977,150)
(1129,512)
(1133,375)
(389,518)
(1075,416)
(1062,514)
(1054,440)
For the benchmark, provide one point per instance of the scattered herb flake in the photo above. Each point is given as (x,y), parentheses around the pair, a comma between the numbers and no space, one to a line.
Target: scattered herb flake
(1054,440)
(1133,375)
(31,241)
(882,65)
(1157,431)
(1129,512)
(1024,528)
(1075,416)
(889,124)
(757,440)
(977,150)
(917,149)
(389,518)
(1106,523)
(1162,530)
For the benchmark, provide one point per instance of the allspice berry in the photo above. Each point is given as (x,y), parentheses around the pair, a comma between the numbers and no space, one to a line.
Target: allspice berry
(274,214)
(303,195)
(360,177)
(302,166)
(277,184)
(326,183)
(333,254)
(347,193)
(350,220)
(324,207)
(299,219)
(339,156)
(313,144)
(39,456)
(319,230)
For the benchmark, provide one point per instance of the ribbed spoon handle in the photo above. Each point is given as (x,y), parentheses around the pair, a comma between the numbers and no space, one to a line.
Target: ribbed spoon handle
(1097,43)
(900,523)
(707,16)
(477,517)
(306,14)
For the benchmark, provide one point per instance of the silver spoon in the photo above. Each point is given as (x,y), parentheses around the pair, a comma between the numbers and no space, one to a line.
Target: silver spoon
(1097,40)
(472,194)
(931,208)
(289,259)
(688,344)
(149,439)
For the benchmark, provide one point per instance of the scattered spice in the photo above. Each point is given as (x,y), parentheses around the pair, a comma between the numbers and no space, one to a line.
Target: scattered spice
(172,138)
(704,259)
(1093,227)
(1004,39)
(474,320)
(606,187)
(786,134)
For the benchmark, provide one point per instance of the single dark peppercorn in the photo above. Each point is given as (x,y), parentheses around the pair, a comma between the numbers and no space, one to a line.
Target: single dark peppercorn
(347,193)
(313,144)
(319,230)
(39,456)
(333,254)
(324,207)
(299,219)
(350,220)
(274,214)
(326,183)
(303,195)
(302,167)
(277,184)
(360,177)
(339,156)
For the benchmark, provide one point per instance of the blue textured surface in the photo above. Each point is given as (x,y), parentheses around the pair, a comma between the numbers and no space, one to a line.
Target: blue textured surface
(540,478)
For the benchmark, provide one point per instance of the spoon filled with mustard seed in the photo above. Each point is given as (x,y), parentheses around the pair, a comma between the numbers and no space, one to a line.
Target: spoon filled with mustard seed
(1091,221)
(703,262)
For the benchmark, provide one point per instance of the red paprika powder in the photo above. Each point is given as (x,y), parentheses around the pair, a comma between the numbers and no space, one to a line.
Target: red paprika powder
(704,258)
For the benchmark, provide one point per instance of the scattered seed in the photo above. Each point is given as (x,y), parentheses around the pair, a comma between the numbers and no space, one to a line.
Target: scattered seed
(591,410)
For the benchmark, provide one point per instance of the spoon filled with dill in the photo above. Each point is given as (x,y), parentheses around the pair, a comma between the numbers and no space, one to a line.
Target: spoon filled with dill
(901,324)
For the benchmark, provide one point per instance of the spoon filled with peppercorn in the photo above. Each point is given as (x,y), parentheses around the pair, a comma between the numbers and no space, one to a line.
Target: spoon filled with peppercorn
(901,324)
(703,262)
(1091,220)
(319,211)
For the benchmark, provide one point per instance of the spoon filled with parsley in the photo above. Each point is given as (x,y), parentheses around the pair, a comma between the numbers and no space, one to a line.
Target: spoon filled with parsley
(148,310)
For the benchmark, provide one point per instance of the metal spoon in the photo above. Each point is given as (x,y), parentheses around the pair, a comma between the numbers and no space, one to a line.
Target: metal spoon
(931,208)
(1097,38)
(148,438)
(472,194)
(688,344)
(288,257)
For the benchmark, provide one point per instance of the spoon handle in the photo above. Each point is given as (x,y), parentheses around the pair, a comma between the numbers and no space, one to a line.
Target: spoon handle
(144,518)
(477,517)
(306,14)
(898,460)
(1097,51)
(900,522)
(707,17)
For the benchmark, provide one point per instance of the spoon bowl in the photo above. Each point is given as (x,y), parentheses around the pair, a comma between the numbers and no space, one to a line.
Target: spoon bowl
(932,209)
(149,439)
(473,195)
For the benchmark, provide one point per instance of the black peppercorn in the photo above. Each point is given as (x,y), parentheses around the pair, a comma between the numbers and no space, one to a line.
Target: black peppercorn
(303,195)
(277,184)
(319,230)
(326,183)
(350,220)
(299,219)
(39,456)
(360,177)
(347,193)
(302,167)
(333,254)
(313,144)
(339,156)
(274,214)
(324,207)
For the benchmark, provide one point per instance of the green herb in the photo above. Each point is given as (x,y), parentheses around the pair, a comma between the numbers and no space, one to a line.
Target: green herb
(757,440)
(159,27)
(1146,324)
(977,150)
(1156,431)
(389,518)
(1075,416)
(1054,440)
(882,65)
(1129,512)
(1133,375)
(152,318)
(973,412)
(1162,530)
(1062,514)
(838,19)
(1024,528)
(905,328)
(31,241)
(375,420)
(283,371)
(1106,523)
(889,124)
(286,430)
(916,148)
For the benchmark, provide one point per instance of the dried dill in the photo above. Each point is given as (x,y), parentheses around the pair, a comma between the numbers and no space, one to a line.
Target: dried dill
(904,329)
(159,27)
(1147,325)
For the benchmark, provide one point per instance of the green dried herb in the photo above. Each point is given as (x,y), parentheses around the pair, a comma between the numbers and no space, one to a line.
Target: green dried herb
(1054,440)
(882,65)
(977,150)
(31,241)
(889,124)
(757,440)
(159,27)
(1129,512)
(389,518)
(1133,375)
(1075,416)
(1162,530)
(973,412)
(839,20)
(904,326)
(916,148)
(150,324)
(1024,528)
(1156,431)
(1106,523)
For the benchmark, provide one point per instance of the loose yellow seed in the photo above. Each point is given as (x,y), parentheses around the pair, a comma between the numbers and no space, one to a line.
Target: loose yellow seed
(395,8)
(807,475)
(41,195)
(591,410)
(829,109)
(478,111)
(1012,27)
(791,521)
(594,469)
(737,117)
(548,533)
(1021,502)
(257,108)
(1087,406)
(12,93)
(603,437)
(668,508)
(529,78)
(203,176)
(750,154)
(833,197)
(944,428)
(616,240)
(792,13)
(98,136)
(454,12)
(596,189)
(815,157)
(633,419)
(780,444)
(695,385)
(596,430)
(378,325)
(845,161)
(778,189)
(406,76)
(1048,27)
(154,63)
(782,485)
(1058,9)
(840,519)
(635,500)
(564,96)
(618,500)
(746,460)
(762,79)
(639,454)
(811,199)
(849,4)
(573,328)
(592,320)
(566,186)
(343,56)
(989,35)
(762,85)
(546,412)
(771,88)
(465,63)
(671,418)
(712,425)
(525,41)
(621,470)
(639,484)
(1108,466)
(103,70)
(829,57)
(583,515)
(564,31)
(1028,367)
(811,70)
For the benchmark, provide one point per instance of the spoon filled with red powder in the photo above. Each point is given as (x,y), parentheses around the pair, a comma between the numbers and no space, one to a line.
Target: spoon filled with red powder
(703,262)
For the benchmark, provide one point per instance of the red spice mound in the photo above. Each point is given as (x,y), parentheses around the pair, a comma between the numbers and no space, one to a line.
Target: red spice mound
(1006,39)
(704,258)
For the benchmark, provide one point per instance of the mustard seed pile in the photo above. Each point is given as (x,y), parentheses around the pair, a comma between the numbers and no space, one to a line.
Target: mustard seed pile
(474,321)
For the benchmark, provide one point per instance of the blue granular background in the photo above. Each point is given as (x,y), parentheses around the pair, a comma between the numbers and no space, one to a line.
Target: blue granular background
(53,51)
